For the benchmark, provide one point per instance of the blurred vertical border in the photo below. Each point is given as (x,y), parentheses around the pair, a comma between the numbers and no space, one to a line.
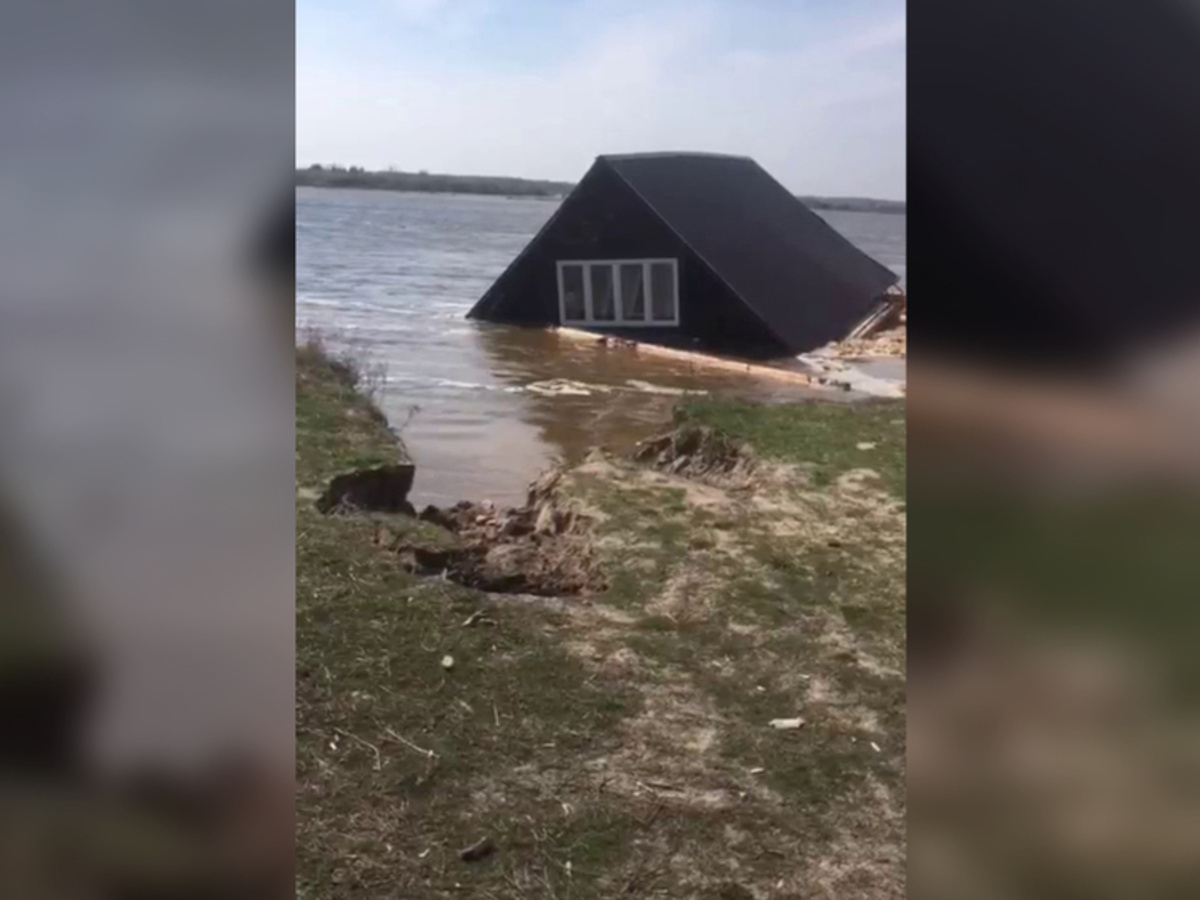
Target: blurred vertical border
(146,448)
(1054,417)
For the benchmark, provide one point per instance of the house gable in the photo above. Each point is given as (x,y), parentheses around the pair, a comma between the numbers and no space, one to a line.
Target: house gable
(603,219)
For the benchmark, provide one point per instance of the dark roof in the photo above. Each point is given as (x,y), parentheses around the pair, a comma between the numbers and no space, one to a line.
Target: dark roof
(804,280)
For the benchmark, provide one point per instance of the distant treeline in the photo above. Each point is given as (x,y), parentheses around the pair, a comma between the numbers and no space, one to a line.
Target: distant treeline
(354,177)
(856,204)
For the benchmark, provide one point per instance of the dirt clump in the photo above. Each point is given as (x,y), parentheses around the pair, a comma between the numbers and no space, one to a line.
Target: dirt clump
(541,548)
(379,489)
(696,451)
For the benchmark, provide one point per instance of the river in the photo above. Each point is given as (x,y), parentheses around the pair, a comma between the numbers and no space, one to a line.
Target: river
(482,407)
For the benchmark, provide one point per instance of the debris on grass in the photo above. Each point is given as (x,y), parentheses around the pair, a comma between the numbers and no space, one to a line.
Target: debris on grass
(476,618)
(428,754)
(786,724)
(696,451)
(542,548)
(481,849)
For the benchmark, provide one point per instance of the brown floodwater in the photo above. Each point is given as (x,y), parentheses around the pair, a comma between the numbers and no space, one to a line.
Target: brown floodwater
(549,398)
(483,408)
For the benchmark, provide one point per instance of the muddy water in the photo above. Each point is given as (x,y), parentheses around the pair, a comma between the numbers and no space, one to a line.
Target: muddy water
(483,408)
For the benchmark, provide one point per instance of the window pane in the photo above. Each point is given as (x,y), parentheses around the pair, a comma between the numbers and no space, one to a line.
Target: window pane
(633,293)
(662,292)
(572,288)
(604,307)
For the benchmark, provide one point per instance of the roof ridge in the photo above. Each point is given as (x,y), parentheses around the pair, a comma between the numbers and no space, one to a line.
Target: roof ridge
(820,263)
(667,154)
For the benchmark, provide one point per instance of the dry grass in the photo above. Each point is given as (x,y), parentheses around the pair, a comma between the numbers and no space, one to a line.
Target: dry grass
(614,744)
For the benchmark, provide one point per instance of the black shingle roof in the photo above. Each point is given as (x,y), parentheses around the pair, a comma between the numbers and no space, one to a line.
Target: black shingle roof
(806,282)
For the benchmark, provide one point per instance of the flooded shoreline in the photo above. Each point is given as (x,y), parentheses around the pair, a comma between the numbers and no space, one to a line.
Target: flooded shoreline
(549,400)
(484,408)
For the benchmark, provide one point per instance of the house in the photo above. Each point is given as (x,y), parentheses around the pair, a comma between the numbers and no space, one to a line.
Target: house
(690,249)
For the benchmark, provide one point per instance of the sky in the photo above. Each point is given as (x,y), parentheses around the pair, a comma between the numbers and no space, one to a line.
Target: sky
(812,89)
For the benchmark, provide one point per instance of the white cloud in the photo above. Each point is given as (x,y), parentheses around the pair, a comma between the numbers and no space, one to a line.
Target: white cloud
(417,9)
(828,117)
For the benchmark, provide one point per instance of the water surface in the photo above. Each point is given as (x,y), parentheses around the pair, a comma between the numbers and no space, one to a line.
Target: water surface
(484,407)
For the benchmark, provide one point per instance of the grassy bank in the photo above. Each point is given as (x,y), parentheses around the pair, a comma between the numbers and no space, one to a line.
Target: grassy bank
(827,438)
(616,744)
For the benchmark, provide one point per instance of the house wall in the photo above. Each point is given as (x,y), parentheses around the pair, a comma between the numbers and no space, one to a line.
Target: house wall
(604,219)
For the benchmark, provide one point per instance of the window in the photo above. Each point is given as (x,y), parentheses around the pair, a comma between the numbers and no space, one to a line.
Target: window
(633,291)
(662,292)
(571,292)
(604,300)
(642,292)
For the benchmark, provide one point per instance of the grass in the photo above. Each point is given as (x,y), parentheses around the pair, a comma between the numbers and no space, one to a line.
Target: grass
(612,746)
(764,614)
(376,816)
(822,436)
(338,427)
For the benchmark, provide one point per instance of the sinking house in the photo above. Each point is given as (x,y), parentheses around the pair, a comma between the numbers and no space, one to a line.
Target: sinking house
(690,250)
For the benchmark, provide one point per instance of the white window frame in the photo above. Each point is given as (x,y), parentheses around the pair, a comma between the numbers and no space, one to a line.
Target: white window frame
(615,266)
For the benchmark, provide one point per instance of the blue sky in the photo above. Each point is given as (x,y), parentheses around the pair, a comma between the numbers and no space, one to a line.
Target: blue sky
(813,89)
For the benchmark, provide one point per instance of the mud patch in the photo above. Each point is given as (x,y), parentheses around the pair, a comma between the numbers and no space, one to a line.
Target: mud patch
(544,548)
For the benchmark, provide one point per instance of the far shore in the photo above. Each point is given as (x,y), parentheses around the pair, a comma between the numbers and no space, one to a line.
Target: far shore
(496,186)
